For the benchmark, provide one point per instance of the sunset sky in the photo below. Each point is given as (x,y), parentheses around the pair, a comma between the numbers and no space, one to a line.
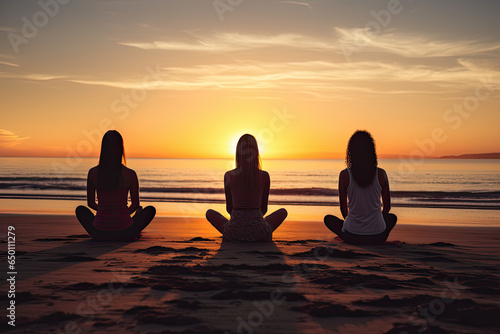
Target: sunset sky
(186,78)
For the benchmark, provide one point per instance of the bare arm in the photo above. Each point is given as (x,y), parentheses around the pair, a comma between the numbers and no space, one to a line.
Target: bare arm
(343,184)
(265,193)
(91,189)
(386,193)
(229,197)
(134,192)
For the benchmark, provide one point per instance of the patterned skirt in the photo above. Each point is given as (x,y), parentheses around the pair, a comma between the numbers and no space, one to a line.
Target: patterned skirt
(247,225)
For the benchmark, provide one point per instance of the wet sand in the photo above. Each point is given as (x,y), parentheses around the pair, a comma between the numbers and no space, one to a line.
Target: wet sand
(180,277)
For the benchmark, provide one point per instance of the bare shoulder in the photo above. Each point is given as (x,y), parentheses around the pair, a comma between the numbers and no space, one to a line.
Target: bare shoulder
(382,176)
(344,178)
(382,172)
(93,172)
(92,176)
(265,179)
(128,171)
(230,173)
(344,173)
(229,176)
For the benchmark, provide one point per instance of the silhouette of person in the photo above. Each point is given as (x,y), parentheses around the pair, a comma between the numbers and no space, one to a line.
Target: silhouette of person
(113,181)
(247,192)
(361,185)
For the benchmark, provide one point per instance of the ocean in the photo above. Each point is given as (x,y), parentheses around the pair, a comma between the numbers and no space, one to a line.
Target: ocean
(307,188)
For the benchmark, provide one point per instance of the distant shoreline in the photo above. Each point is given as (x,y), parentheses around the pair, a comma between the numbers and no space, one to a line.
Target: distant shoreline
(473,156)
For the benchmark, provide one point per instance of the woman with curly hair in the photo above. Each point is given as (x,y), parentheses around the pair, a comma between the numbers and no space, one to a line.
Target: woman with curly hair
(361,186)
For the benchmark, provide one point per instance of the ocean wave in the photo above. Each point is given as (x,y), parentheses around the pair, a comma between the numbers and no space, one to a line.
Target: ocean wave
(483,204)
(72,184)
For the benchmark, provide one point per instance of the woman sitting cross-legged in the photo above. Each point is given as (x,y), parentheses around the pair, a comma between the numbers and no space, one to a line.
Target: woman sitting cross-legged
(361,186)
(113,181)
(247,193)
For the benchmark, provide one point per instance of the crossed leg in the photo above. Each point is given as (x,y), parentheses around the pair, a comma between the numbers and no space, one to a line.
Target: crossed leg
(276,218)
(216,219)
(335,225)
(141,220)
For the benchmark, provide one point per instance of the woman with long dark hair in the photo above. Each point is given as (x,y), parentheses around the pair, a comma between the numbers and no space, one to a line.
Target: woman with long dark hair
(361,186)
(112,182)
(247,192)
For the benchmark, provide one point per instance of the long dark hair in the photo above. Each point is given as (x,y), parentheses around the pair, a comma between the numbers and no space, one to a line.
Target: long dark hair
(361,157)
(110,161)
(248,162)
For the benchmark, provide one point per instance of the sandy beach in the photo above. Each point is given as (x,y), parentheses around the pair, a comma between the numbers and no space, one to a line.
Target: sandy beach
(180,277)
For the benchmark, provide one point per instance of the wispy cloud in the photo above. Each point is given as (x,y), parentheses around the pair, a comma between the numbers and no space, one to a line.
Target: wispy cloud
(409,70)
(296,3)
(411,45)
(10,139)
(31,76)
(123,84)
(7,60)
(225,42)
(314,78)
(361,39)
(7,63)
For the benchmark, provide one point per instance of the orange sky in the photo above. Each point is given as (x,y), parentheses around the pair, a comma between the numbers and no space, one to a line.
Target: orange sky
(180,79)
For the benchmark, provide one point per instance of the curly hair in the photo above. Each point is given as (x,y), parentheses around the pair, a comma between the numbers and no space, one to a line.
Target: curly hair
(361,157)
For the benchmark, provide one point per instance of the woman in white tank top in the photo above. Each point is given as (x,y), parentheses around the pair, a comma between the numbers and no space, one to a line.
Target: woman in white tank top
(364,196)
